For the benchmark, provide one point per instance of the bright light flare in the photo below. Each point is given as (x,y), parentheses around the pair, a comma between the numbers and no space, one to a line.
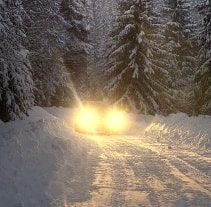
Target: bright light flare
(87,119)
(116,121)
(96,119)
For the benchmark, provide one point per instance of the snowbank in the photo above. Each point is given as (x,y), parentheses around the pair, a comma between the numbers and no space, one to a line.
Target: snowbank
(43,162)
(181,129)
(37,156)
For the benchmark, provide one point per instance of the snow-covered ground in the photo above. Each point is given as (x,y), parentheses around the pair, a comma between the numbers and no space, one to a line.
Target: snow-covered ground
(37,156)
(43,162)
(181,129)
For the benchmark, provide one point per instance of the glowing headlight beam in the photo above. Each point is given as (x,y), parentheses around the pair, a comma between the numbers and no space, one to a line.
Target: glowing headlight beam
(116,120)
(87,119)
(72,88)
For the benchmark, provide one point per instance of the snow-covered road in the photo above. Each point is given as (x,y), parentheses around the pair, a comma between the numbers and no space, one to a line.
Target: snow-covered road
(129,172)
(159,161)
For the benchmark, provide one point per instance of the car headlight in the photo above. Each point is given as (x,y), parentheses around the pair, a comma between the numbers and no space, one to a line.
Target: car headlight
(116,120)
(87,118)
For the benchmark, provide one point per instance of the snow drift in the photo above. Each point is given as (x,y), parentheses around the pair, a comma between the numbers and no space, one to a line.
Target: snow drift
(180,129)
(38,155)
(43,162)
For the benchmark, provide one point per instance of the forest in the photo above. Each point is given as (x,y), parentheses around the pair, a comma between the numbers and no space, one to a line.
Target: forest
(144,56)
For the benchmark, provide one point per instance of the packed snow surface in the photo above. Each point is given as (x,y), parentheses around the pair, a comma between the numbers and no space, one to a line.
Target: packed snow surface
(159,161)
(181,129)
(38,155)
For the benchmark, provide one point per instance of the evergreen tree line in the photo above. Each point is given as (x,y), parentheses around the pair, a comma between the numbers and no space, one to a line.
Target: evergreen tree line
(158,58)
(42,54)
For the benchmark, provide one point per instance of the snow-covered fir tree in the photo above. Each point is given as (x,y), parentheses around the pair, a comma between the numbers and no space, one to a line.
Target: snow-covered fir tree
(75,59)
(203,74)
(16,85)
(157,59)
(100,15)
(136,78)
(179,42)
(47,35)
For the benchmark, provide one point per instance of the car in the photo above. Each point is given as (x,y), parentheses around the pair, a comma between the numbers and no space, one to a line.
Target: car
(98,117)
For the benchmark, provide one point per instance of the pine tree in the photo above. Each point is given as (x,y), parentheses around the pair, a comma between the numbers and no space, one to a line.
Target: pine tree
(100,18)
(179,42)
(16,85)
(136,77)
(46,32)
(75,59)
(203,74)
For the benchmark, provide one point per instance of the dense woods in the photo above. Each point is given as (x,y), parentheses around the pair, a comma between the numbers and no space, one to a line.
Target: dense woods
(153,62)
(144,56)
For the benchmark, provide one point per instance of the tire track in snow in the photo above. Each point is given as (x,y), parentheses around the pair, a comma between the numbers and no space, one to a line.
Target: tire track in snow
(195,181)
(132,173)
(130,188)
(175,159)
(192,173)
